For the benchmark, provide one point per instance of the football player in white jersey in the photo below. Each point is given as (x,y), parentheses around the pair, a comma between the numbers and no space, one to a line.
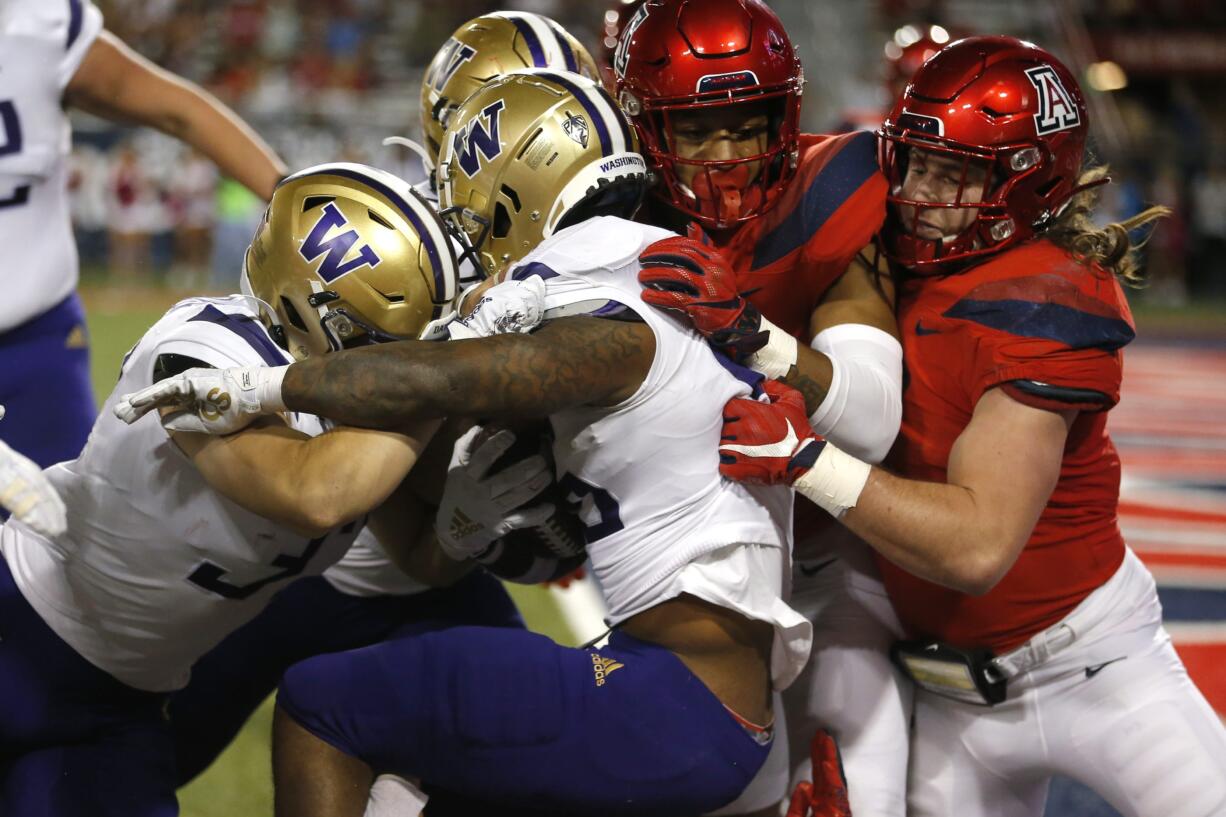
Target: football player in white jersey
(479,50)
(672,717)
(174,540)
(365,597)
(26,493)
(55,54)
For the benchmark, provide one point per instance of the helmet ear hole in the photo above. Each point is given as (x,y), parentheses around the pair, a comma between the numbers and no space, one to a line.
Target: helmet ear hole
(502,221)
(292,314)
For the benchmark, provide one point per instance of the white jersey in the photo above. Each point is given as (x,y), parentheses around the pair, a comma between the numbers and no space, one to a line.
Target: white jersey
(660,519)
(156,567)
(365,571)
(42,42)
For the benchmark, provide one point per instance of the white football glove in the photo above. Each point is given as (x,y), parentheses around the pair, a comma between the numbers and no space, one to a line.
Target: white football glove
(209,401)
(27,494)
(512,307)
(477,510)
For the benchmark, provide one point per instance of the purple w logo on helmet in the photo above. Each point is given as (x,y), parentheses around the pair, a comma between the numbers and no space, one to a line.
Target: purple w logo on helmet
(474,140)
(337,247)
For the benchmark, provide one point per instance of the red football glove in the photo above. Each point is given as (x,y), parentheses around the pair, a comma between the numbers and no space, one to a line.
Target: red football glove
(685,275)
(826,796)
(564,582)
(768,443)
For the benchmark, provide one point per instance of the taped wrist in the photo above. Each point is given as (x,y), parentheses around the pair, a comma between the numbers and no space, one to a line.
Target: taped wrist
(862,410)
(265,385)
(834,481)
(778,356)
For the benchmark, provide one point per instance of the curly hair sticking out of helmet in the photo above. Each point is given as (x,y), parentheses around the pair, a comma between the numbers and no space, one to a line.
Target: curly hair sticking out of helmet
(1111,246)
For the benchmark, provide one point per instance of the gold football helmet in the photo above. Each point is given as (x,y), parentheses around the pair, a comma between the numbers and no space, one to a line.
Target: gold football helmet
(348,255)
(487,47)
(529,154)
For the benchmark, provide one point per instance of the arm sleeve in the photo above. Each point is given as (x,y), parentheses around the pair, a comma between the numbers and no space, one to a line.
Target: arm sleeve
(84,26)
(71,26)
(862,411)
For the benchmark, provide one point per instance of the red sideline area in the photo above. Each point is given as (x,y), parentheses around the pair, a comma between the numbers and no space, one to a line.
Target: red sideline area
(1170,427)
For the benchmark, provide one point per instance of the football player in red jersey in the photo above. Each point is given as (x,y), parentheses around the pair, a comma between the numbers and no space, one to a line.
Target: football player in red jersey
(714,90)
(1039,646)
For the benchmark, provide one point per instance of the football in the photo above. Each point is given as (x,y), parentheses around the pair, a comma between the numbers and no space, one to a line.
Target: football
(543,552)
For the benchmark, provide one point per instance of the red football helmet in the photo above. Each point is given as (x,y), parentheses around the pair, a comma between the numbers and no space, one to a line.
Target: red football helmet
(686,55)
(613,24)
(907,50)
(1005,105)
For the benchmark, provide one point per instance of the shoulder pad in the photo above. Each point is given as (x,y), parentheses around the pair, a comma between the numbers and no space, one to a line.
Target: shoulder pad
(605,242)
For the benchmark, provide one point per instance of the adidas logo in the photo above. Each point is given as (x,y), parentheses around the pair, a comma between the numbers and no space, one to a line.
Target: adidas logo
(603,667)
(463,527)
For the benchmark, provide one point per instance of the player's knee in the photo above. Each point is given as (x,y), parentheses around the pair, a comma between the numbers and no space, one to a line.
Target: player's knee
(308,696)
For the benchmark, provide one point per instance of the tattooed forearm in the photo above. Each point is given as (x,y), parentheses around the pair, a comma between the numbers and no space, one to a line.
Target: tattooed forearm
(811,376)
(567,363)
(813,391)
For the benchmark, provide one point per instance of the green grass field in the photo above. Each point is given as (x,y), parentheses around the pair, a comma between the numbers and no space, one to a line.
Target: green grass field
(240,782)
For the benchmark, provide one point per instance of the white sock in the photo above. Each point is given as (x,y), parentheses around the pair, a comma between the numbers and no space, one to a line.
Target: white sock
(393,796)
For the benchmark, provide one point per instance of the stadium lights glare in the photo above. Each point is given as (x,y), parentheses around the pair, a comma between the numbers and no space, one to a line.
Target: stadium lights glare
(906,35)
(1106,76)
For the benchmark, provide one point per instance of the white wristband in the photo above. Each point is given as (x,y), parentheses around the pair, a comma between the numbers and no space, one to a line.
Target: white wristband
(267,387)
(835,481)
(778,356)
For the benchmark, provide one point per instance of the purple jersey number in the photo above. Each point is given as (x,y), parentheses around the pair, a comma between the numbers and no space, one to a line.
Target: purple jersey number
(604,502)
(11,143)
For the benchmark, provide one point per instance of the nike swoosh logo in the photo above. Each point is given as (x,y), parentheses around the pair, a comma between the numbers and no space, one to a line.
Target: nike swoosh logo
(920,329)
(783,448)
(817,568)
(1097,668)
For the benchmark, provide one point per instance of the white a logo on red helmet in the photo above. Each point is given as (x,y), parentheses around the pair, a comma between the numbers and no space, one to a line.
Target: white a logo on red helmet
(1057,110)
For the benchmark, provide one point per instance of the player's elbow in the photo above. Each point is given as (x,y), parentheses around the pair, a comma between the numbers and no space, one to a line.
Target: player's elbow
(319,511)
(862,411)
(975,578)
(979,569)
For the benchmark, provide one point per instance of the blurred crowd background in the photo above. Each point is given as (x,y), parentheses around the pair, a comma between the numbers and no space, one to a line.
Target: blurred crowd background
(329,79)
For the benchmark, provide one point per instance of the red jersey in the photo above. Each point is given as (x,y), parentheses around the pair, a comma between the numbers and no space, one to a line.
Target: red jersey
(1048,330)
(786,258)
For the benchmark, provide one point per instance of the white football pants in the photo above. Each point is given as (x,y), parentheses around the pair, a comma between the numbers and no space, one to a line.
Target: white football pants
(850,688)
(1114,709)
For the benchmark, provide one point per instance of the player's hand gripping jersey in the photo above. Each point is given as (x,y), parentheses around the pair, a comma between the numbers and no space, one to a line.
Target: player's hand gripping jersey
(156,567)
(1052,340)
(42,42)
(788,257)
(645,473)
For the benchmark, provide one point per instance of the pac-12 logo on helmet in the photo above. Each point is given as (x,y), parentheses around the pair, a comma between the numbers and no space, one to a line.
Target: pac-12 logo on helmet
(1057,110)
(337,247)
(575,126)
(476,139)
